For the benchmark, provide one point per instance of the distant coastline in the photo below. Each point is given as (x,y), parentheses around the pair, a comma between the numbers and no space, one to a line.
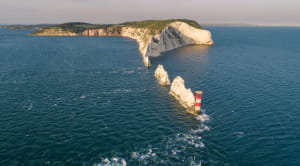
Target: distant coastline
(20,26)
(229,25)
(43,26)
(246,25)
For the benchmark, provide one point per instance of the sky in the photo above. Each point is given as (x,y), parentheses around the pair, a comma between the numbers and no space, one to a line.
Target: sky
(258,12)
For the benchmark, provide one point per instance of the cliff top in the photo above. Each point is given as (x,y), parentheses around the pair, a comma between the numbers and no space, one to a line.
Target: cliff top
(152,25)
(158,25)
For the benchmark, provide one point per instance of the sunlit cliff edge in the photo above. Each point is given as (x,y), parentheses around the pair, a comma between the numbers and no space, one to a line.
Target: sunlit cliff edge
(152,36)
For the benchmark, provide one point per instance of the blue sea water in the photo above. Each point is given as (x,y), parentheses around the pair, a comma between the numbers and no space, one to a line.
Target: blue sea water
(90,101)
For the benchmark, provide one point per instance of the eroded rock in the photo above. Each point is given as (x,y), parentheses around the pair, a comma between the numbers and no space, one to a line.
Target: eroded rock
(162,75)
(183,95)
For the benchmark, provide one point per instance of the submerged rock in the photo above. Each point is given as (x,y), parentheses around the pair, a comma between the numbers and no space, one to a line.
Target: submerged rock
(184,95)
(162,75)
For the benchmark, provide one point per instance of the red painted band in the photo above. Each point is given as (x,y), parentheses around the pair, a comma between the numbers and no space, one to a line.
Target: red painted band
(198,104)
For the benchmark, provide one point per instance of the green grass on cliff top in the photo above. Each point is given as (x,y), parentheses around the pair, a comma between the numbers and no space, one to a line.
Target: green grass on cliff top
(159,24)
(154,26)
(75,27)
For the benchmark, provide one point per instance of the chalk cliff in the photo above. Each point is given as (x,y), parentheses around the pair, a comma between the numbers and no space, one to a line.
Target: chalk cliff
(177,34)
(162,75)
(153,37)
(183,95)
(55,32)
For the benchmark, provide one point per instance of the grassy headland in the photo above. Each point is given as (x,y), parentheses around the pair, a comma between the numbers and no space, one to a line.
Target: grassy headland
(153,26)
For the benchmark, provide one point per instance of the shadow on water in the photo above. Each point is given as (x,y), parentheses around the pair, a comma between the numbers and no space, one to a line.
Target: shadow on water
(186,53)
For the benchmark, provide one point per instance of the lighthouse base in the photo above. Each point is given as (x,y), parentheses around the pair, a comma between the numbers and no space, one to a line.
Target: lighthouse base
(193,111)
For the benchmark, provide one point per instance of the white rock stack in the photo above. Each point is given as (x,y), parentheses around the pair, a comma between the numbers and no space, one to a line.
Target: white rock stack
(185,96)
(162,75)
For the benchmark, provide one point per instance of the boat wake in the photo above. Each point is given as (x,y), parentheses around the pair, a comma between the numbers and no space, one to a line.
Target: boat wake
(184,148)
(202,117)
(115,161)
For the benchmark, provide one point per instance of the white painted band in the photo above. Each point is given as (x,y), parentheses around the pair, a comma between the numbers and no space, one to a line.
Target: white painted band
(198,100)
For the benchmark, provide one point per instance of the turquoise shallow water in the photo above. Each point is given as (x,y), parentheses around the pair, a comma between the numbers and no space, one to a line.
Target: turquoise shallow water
(90,100)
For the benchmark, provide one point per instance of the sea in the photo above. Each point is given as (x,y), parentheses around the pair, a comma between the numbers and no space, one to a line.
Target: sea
(89,101)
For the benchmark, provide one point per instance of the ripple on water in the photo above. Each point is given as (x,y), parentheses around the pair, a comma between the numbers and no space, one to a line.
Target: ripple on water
(182,148)
(80,101)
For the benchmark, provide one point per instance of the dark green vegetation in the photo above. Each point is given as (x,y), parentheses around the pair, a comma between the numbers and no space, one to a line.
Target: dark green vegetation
(75,27)
(78,27)
(154,26)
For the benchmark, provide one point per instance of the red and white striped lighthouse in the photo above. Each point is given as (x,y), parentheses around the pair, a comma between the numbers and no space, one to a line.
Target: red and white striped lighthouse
(198,101)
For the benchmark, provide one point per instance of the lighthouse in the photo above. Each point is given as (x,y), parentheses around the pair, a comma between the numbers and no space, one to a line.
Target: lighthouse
(198,101)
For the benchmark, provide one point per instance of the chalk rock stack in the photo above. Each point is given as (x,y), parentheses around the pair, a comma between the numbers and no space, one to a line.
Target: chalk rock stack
(161,75)
(184,95)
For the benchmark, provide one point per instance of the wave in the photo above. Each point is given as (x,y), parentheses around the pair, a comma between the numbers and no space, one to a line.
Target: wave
(115,161)
(202,117)
(183,148)
(127,71)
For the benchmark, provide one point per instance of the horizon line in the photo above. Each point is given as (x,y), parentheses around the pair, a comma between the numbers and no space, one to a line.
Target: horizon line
(204,24)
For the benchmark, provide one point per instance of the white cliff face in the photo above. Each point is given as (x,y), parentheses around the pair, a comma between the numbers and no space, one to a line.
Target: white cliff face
(198,36)
(94,32)
(177,34)
(185,96)
(56,32)
(161,75)
(142,37)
